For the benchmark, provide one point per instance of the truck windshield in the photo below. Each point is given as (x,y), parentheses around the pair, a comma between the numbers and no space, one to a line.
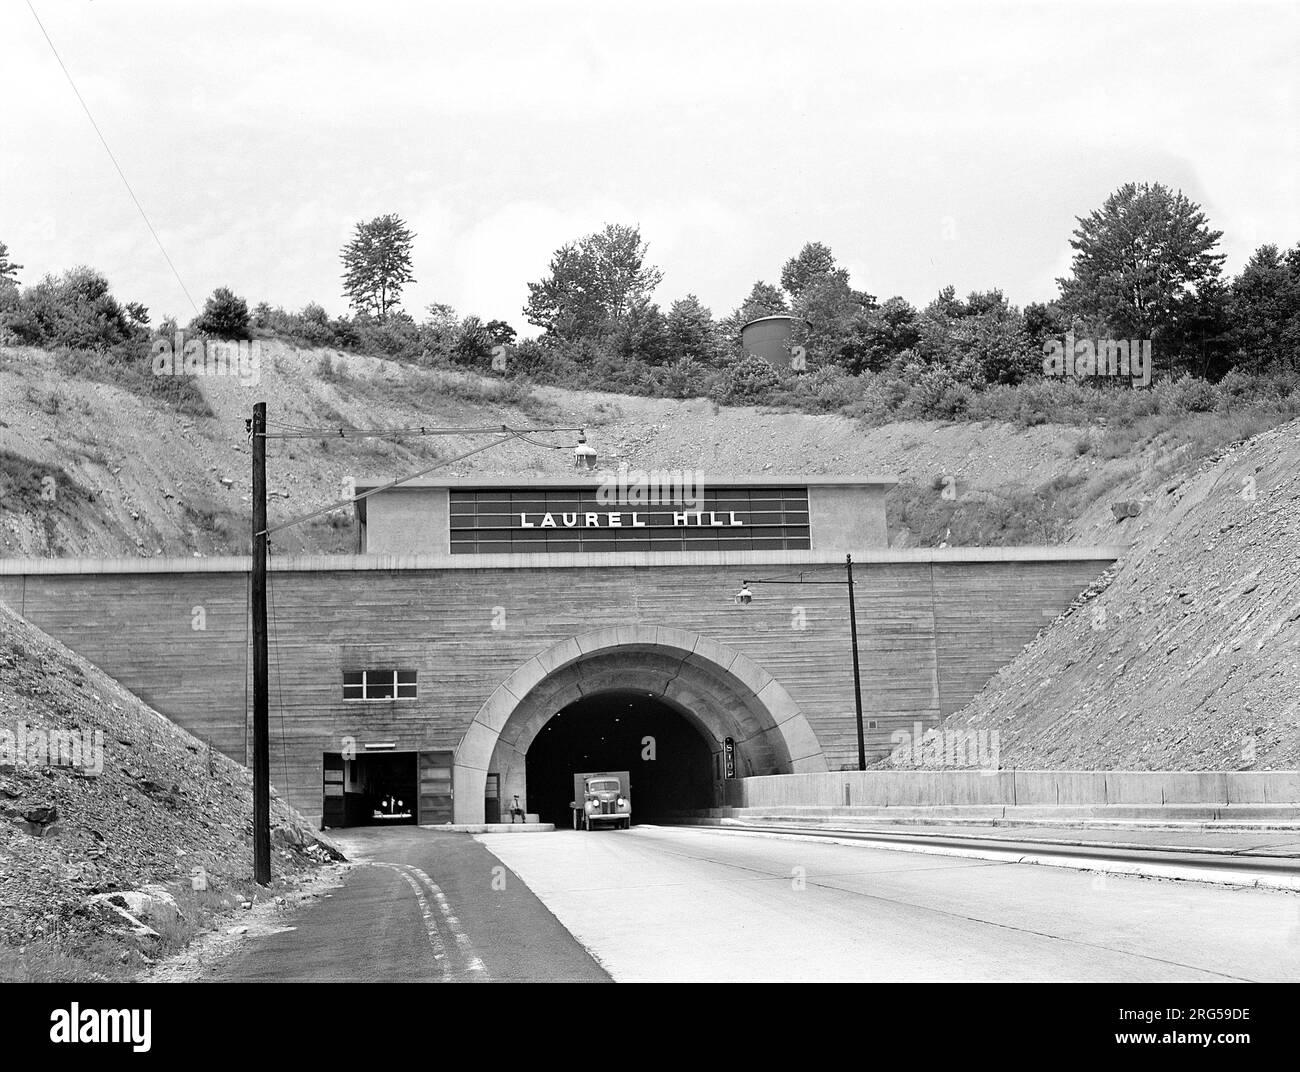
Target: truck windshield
(605,785)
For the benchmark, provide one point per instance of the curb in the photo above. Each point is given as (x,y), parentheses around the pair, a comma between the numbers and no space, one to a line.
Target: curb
(493,828)
(1182,872)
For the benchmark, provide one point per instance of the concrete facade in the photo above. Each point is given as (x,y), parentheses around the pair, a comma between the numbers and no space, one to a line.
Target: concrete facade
(775,675)
(495,645)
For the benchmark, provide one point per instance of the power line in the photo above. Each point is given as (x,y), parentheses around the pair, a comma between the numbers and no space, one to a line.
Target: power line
(290,431)
(384,487)
(104,141)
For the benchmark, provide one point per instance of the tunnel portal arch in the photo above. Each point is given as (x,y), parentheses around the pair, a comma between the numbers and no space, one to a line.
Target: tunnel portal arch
(720,691)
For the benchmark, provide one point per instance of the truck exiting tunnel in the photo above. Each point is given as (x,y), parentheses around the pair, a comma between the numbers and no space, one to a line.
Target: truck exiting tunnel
(669,761)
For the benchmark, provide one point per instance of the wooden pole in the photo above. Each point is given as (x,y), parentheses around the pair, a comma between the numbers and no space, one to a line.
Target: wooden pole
(857,680)
(261,732)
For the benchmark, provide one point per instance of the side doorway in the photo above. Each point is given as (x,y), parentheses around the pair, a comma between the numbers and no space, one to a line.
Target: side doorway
(435,796)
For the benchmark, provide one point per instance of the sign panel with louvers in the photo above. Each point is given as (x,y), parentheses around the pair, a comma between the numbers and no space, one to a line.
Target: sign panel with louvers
(572,520)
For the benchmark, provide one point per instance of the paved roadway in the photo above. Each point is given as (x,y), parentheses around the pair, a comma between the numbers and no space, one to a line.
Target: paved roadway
(421,907)
(690,903)
(693,903)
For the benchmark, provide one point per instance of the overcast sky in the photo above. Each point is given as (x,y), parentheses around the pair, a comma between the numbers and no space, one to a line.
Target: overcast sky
(924,143)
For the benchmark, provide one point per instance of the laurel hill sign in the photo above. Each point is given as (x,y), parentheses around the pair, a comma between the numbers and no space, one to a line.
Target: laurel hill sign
(593,514)
(615,519)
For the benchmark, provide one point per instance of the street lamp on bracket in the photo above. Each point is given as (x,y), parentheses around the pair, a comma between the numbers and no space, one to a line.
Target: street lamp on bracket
(745,596)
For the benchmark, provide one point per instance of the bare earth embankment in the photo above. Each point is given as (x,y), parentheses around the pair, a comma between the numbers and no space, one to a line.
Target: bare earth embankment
(127,804)
(1187,655)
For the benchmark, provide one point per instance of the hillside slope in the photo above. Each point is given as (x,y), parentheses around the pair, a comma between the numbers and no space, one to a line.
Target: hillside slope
(1189,658)
(141,802)
(134,478)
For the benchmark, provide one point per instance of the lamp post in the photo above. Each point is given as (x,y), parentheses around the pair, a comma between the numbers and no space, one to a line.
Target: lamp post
(584,458)
(746,596)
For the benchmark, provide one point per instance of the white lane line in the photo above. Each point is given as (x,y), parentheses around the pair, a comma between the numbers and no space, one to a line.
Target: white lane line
(472,961)
(430,924)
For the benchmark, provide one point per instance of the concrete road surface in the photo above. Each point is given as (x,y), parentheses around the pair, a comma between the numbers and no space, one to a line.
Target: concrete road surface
(692,903)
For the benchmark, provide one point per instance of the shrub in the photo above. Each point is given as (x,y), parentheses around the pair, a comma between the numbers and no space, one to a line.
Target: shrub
(225,316)
(927,393)
(1187,394)
(75,309)
(746,381)
(684,378)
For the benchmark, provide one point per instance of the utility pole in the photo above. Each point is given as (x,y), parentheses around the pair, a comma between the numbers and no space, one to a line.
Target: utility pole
(585,457)
(261,705)
(857,681)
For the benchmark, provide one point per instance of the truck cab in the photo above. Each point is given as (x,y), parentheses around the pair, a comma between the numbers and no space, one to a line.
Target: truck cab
(602,798)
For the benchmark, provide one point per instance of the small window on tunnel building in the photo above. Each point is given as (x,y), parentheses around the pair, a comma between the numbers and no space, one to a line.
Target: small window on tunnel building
(380,684)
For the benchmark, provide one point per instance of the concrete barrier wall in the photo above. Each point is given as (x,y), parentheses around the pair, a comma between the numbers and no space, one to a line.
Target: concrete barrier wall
(1014,788)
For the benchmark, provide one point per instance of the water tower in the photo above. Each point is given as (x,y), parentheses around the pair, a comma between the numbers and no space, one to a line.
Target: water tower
(769,337)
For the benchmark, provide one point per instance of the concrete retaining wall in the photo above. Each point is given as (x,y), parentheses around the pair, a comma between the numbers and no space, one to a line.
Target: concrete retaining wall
(882,789)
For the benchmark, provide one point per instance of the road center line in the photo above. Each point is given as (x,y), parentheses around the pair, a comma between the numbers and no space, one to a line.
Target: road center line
(472,961)
(430,924)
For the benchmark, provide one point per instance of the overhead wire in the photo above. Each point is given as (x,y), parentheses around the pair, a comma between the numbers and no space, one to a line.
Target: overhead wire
(121,174)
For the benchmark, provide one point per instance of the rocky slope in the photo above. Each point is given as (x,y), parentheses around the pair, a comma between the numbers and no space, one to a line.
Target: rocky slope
(139,801)
(133,478)
(1187,654)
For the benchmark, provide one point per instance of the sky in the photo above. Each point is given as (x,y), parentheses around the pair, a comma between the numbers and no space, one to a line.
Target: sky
(925,143)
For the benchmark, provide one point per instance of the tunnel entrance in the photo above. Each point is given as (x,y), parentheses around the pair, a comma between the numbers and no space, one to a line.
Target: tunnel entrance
(670,763)
(370,789)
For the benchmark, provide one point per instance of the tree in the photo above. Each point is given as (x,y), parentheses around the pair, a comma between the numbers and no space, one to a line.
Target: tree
(8,270)
(643,334)
(76,309)
(814,262)
(1044,321)
(830,315)
(377,264)
(691,330)
(501,333)
(978,341)
(882,334)
(1264,309)
(473,344)
(224,315)
(763,300)
(593,285)
(1140,261)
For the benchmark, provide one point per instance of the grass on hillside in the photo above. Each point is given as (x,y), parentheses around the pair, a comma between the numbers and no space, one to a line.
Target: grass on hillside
(35,489)
(427,389)
(133,372)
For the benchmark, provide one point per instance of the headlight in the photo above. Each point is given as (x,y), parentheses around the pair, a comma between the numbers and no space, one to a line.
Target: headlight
(622,803)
